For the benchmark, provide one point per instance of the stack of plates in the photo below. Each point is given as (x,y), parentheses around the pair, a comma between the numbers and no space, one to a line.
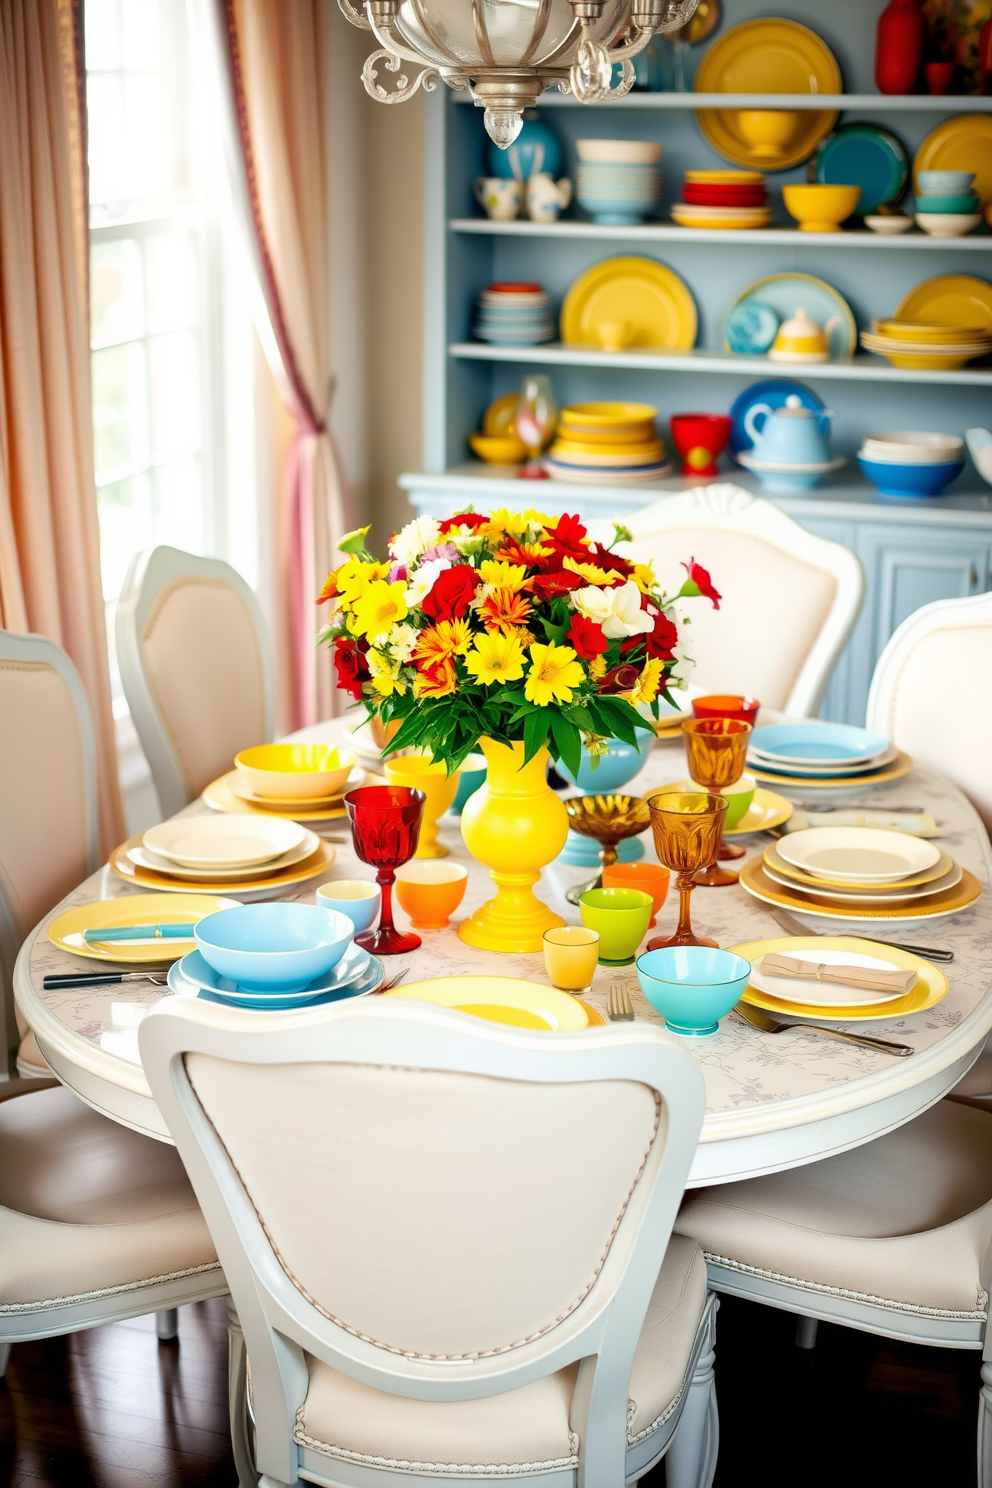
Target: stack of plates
(619,182)
(248,856)
(723,199)
(934,347)
(355,974)
(911,462)
(860,873)
(823,755)
(608,444)
(514,315)
(812,1001)
(231,794)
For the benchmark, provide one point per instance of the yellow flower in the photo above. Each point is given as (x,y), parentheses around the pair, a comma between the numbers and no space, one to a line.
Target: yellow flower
(502,575)
(648,684)
(495,658)
(592,575)
(441,642)
(385,674)
(643,576)
(554,671)
(503,522)
(502,609)
(354,577)
(597,668)
(380,607)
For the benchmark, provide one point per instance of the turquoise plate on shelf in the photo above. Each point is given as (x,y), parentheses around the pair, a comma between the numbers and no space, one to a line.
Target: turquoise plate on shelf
(864,155)
(819,743)
(785,293)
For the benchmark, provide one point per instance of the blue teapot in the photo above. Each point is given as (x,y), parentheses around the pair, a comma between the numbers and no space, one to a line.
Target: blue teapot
(793,435)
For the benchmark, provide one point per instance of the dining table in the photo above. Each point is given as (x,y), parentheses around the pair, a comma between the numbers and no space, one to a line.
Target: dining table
(773,1101)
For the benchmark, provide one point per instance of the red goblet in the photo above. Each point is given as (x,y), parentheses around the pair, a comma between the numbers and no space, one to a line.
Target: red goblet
(385,826)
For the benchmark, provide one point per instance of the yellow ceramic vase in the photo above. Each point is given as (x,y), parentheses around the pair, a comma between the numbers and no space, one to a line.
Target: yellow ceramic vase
(419,772)
(514,823)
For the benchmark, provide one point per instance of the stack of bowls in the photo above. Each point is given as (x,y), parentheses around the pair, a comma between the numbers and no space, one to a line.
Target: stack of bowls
(946,204)
(608,444)
(619,182)
(515,315)
(911,463)
(927,345)
(723,199)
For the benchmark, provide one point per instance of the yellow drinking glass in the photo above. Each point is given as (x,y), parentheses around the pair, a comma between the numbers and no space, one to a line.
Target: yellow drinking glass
(420,772)
(687,832)
(716,749)
(571,955)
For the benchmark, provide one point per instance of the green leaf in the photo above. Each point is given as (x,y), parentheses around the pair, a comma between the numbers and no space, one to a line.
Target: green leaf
(568,741)
(535,733)
(623,719)
(689,590)
(354,542)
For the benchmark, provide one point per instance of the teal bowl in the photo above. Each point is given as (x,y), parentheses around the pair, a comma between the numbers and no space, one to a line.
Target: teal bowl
(471,775)
(692,987)
(273,947)
(948,204)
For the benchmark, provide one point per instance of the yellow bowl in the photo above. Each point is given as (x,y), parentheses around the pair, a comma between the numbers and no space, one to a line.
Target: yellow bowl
(498,450)
(725,178)
(926,331)
(607,415)
(497,421)
(430,892)
(929,363)
(820,208)
(294,772)
(767,131)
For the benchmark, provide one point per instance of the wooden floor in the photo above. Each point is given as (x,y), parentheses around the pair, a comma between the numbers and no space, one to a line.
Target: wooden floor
(112,1408)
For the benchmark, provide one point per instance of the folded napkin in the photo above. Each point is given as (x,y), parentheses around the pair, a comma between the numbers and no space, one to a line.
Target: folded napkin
(866,978)
(918,825)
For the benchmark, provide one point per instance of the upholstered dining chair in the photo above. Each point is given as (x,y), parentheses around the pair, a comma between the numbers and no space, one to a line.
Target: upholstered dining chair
(196,668)
(789,599)
(448,1241)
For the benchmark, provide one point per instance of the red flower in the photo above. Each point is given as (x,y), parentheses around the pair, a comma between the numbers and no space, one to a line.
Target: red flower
(546,586)
(586,638)
(659,644)
(464,519)
(352,670)
(698,576)
(620,679)
(452,594)
(568,537)
(612,562)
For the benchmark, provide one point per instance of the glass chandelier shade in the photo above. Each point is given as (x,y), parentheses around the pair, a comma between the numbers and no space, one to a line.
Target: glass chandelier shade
(506,52)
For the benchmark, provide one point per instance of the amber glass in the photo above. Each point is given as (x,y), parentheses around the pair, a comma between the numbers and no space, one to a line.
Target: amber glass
(687,831)
(726,705)
(716,749)
(385,825)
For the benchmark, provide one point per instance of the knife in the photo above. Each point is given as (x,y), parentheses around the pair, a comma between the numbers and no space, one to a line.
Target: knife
(795,927)
(101,979)
(141,932)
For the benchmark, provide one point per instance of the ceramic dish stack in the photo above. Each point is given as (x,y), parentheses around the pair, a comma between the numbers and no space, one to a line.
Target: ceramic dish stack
(619,182)
(514,315)
(860,873)
(608,444)
(911,463)
(946,203)
(812,756)
(723,199)
(297,782)
(927,345)
(244,857)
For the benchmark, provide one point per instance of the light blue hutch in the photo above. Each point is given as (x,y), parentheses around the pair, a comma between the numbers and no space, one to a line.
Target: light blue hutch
(913,551)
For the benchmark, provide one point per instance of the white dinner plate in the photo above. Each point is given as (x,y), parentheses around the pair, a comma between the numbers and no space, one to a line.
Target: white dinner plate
(219,842)
(882,895)
(141,857)
(860,854)
(823,994)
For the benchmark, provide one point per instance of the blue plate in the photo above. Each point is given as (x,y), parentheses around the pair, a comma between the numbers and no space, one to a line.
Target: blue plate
(367,981)
(864,155)
(773,392)
(196,969)
(822,742)
(750,328)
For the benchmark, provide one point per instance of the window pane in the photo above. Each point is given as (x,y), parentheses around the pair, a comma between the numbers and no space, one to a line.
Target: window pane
(102,39)
(120,403)
(126,525)
(179,517)
(141,39)
(115,291)
(105,120)
(175,394)
(149,157)
(170,262)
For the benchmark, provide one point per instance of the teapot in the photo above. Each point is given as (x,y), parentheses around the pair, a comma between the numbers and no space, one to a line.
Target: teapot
(546,197)
(802,339)
(793,435)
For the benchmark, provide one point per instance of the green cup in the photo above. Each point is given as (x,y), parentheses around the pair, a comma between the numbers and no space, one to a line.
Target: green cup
(621,916)
(739,797)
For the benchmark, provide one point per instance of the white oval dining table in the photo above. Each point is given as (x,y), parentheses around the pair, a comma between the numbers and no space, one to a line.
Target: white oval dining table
(773,1101)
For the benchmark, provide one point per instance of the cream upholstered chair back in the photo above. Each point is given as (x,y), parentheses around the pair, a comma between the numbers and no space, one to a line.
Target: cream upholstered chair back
(932,693)
(789,599)
(196,668)
(437,1206)
(48,820)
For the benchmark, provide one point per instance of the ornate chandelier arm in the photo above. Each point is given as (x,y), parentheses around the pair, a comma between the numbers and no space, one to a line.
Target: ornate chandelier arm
(356,17)
(404,88)
(384,36)
(631,46)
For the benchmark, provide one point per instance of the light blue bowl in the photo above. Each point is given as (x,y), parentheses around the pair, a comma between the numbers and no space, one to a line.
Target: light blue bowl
(944,182)
(816,743)
(360,911)
(910,480)
(267,946)
(692,987)
(619,765)
(470,777)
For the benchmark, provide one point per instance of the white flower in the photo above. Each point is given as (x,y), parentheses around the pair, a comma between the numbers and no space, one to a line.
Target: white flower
(402,639)
(593,603)
(424,580)
(680,673)
(626,617)
(408,544)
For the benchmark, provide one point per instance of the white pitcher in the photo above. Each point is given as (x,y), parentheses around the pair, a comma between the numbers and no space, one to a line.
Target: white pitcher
(502,199)
(546,197)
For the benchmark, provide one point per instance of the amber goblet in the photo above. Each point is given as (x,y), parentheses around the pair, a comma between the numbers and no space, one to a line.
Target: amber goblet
(385,825)
(608,819)
(687,831)
(716,749)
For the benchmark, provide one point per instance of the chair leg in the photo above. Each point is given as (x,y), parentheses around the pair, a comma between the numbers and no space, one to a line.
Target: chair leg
(237,1398)
(167,1324)
(806,1331)
(691,1459)
(985,1429)
(5,1349)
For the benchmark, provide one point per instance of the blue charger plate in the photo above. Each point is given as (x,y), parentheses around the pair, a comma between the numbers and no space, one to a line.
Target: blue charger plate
(864,155)
(820,742)
(367,981)
(197,969)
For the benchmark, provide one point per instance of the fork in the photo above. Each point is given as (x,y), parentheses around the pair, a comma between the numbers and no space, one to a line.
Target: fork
(770,1025)
(795,927)
(618,1004)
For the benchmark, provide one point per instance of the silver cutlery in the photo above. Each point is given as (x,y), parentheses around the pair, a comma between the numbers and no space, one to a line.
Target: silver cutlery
(771,1025)
(574,894)
(794,927)
(390,982)
(824,810)
(618,1004)
(102,979)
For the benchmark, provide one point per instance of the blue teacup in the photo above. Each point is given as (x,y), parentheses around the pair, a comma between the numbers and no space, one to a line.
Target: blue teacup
(470,776)
(692,987)
(358,898)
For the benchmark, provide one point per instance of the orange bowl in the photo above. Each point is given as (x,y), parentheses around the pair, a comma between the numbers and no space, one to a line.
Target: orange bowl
(430,891)
(651,878)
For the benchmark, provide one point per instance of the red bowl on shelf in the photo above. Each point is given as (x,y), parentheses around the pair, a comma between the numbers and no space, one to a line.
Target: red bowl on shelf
(700,439)
(724,196)
(726,705)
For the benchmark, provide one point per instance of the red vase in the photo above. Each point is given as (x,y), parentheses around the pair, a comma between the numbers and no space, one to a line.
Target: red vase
(939,76)
(985,58)
(899,43)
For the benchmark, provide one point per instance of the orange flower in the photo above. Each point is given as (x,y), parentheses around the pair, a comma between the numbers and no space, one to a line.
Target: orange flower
(329,590)
(504,610)
(438,645)
(531,555)
(437,681)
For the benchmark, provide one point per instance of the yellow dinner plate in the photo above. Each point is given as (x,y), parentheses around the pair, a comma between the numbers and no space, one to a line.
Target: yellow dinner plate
(147,879)
(950,299)
(765,811)
(650,297)
(757,882)
(929,990)
(221,796)
(775,860)
(504,1000)
(962,143)
(767,56)
(900,766)
(66,932)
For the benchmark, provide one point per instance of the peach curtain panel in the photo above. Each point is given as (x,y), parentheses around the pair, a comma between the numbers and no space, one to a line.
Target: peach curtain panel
(276,54)
(49,534)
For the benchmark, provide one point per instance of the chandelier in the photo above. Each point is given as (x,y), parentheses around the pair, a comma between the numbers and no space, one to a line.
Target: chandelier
(506,52)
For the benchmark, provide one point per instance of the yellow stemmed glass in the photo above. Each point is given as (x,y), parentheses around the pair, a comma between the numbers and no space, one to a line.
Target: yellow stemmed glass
(571,955)
(420,772)
(687,831)
(716,749)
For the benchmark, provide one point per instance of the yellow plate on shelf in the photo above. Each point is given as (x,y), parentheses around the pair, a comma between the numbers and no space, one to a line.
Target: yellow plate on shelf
(931,987)
(767,56)
(765,811)
(929,333)
(725,178)
(757,882)
(607,416)
(220,795)
(504,1000)
(567,453)
(900,766)
(650,297)
(66,931)
(962,143)
(775,860)
(147,879)
(959,300)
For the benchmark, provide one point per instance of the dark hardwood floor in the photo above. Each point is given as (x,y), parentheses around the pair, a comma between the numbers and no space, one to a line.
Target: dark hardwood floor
(113,1408)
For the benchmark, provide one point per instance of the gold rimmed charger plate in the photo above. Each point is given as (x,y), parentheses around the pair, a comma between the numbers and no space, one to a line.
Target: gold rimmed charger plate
(765,811)
(757,883)
(221,797)
(66,931)
(900,766)
(651,297)
(774,859)
(145,878)
(512,1000)
(931,987)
